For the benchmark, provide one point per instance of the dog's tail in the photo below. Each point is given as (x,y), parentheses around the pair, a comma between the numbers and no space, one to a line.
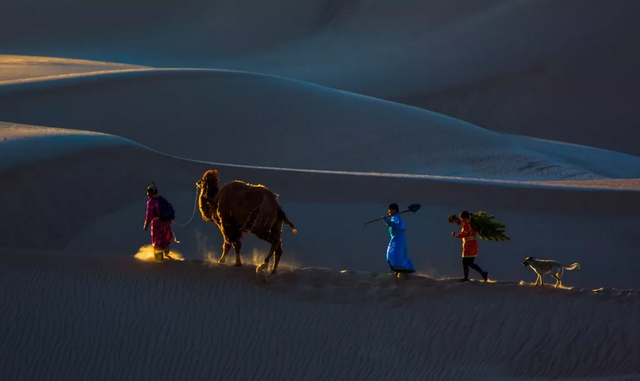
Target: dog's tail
(572,267)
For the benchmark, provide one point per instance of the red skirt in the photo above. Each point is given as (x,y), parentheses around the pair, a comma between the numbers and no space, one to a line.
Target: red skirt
(470,249)
(160,234)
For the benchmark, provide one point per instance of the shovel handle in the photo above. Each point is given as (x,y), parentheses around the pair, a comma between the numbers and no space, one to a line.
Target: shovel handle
(382,218)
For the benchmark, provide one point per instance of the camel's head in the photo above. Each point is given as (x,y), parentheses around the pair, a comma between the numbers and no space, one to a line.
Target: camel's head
(209,181)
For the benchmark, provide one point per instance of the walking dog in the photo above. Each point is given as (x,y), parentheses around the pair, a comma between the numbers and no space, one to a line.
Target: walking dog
(546,266)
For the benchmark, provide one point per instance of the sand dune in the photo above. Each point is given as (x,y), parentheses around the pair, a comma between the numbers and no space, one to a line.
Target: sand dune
(252,119)
(534,67)
(77,304)
(92,201)
(318,107)
(133,320)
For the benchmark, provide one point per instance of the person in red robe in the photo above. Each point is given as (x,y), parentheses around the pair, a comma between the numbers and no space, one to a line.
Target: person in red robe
(469,245)
(160,230)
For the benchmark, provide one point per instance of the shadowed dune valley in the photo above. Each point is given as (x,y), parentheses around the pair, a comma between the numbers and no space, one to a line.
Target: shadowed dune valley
(319,190)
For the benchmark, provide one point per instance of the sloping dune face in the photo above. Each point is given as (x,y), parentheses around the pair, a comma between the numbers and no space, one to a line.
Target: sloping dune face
(132,321)
(535,67)
(252,119)
(91,200)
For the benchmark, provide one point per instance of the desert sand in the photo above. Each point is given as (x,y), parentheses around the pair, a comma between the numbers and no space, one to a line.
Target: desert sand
(554,70)
(341,109)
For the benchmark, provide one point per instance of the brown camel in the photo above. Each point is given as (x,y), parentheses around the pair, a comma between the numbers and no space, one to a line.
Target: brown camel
(238,208)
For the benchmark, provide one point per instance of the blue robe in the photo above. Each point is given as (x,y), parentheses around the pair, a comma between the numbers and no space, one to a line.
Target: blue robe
(397,253)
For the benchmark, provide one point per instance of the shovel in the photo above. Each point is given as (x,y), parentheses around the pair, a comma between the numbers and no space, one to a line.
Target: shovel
(412,208)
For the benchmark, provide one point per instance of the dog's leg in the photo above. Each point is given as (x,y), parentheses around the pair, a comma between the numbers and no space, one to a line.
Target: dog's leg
(560,278)
(537,283)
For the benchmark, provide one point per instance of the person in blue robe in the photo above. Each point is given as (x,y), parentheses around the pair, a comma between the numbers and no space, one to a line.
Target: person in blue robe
(397,252)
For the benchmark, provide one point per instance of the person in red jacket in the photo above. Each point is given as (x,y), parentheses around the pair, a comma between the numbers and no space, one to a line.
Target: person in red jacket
(469,245)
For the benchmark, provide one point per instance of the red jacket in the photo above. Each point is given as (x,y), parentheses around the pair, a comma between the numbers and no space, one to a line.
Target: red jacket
(469,243)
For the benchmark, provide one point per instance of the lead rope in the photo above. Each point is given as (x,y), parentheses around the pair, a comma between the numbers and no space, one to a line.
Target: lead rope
(195,204)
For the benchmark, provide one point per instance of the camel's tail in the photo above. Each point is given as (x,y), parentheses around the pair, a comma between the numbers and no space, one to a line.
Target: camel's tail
(573,266)
(284,218)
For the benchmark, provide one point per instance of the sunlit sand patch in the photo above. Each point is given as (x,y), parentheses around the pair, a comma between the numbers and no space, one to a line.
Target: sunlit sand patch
(211,257)
(523,283)
(257,258)
(478,280)
(9,59)
(145,253)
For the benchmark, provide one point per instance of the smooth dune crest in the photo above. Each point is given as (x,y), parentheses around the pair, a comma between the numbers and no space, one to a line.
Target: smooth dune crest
(17,69)
(21,144)
(269,121)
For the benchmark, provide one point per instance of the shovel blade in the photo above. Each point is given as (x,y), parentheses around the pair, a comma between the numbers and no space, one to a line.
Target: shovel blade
(414,207)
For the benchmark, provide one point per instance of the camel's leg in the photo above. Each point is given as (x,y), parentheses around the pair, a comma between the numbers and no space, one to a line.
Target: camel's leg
(237,246)
(278,254)
(267,238)
(272,250)
(275,238)
(226,246)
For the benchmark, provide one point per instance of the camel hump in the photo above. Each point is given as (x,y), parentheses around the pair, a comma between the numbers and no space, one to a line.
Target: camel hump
(283,216)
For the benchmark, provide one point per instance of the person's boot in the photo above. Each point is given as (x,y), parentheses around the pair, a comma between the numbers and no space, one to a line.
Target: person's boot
(158,255)
(485,276)
(166,254)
